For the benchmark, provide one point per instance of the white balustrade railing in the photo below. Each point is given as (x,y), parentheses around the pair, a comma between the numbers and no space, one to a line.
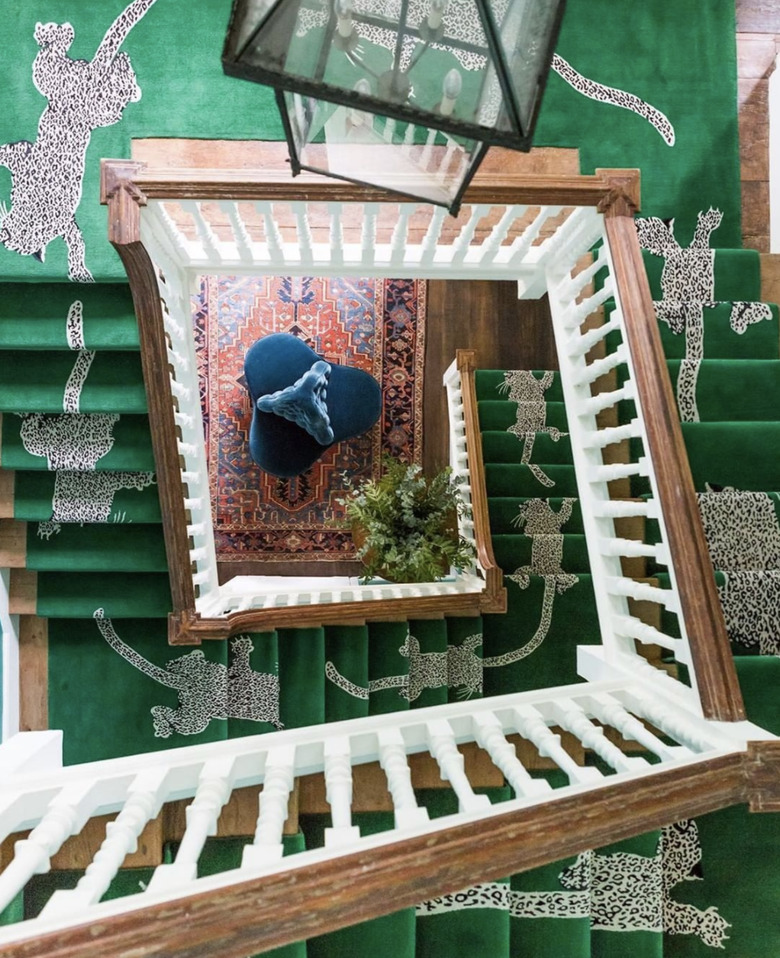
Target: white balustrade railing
(55,803)
(597,378)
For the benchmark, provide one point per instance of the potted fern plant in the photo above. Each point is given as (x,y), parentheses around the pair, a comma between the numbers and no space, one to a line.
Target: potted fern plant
(405,524)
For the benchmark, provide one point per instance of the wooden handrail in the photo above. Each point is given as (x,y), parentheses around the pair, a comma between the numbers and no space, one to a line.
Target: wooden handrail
(268,912)
(517,188)
(494,598)
(716,674)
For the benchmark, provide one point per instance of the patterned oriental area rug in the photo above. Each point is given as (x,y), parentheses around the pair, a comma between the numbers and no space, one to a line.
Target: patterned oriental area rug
(377,325)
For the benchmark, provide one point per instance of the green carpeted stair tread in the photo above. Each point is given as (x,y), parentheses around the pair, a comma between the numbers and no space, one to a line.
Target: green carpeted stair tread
(122,595)
(502,415)
(512,479)
(464,673)
(503,511)
(514,551)
(533,645)
(744,390)
(387,666)
(736,894)
(489,384)
(35,382)
(33,315)
(347,651)
(759,679)
(109,547)
(739,454)
(131,449)
(737,274)
(508,448)
(302,676)
(758,341)
(34,494)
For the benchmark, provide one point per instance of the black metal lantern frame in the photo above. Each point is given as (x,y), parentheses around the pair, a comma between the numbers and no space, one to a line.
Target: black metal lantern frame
(310,51)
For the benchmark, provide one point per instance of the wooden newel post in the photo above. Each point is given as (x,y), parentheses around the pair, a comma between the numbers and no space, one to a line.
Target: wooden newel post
(712,660)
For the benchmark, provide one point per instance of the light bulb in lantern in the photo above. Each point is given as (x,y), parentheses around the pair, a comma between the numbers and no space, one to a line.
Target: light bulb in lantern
(344,18)
(453,84)
(436,11)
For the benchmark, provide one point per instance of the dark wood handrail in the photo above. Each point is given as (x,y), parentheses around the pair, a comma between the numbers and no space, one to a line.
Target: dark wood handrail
(255,916)
(713,663)
(519,188)
(495,597)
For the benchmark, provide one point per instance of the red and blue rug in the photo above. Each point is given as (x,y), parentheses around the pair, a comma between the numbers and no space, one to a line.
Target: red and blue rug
(377,325)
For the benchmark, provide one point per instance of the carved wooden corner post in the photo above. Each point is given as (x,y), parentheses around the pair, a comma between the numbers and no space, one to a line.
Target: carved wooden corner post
(494,598)
(124,199)
(716,675)
(762,769)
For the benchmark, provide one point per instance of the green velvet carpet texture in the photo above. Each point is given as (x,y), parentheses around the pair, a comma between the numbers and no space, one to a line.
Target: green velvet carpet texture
(680,58)
(33,493)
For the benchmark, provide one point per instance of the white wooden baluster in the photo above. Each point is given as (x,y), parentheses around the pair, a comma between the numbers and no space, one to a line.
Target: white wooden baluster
(490,736)
(368,233)
(462,244)
(600,367)
(215,783)
(580,312)
(163,220)
(532,726)
(498,234)
(237,224)
(573,286)
(272,235)
(449,153)
(208,240)
(392,758)
(430,241)
(606,400)
(441,743)
(570,716)
(66,815)
(400,233)
(522,243)
(634,628)
(671,722)
(425,156)
(278,782)
(338,792)
(145,797)
(619,585)
(336,234)
(301,212)
(608,710)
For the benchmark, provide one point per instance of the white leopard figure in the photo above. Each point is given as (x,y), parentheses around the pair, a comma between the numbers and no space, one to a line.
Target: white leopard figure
(207,690)
(618,892)
(523,388)
(688,287)
(47,174)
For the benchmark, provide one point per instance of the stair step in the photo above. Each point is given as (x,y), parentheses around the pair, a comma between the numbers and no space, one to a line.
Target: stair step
(490,384)
(33,494)
(502,479)
(427,637)
(386,661)
(347,649)
(508,448)
(114,547)
(464,647)
(545,937)
(515,551)
(530,653)
(131,449)
(302,672)
(737,274)
(114,382)
(504,510)
(739,454)
(502,414)
(122,595)
(33,315)
(735,389)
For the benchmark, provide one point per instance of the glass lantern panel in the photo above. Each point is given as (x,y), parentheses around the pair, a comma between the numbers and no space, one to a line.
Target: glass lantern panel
(375,150)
